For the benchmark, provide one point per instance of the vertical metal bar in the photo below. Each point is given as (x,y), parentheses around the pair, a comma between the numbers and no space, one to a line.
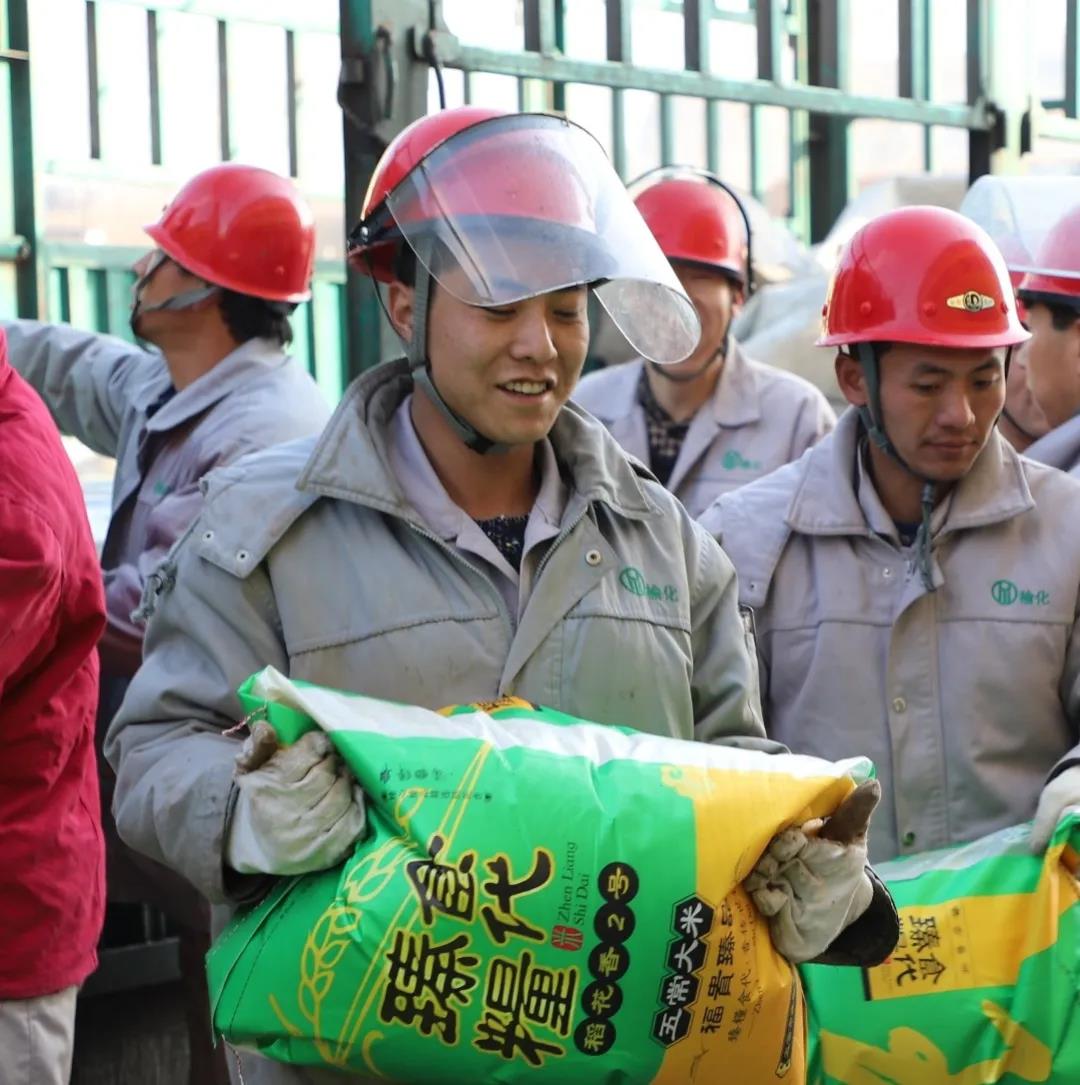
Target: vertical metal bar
(757,177)
(911,82)
(827,32)
(697,15)
(618,50)
(914,68)
(22,174)
(155,87)
(223,89)
(92,76)
(558,90)
(97,287)
(64,291)
(976,49)
(117,291)
(291,103)
(696,19)
(667,129)
(928,86)
(363,322)
(467,87)
(541,33)
(770,27)
(980,144)
(713,135)
(799,137)
(539,19)
(1072,57)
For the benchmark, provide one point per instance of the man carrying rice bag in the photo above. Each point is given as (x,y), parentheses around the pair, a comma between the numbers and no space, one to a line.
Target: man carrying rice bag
(457,532)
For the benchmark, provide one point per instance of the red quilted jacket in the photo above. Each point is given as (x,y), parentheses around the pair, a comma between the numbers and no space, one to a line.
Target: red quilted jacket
(52,881)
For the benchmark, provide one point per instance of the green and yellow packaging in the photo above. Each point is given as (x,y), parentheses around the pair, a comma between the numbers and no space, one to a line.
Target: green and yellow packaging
(538,898)
(985,983)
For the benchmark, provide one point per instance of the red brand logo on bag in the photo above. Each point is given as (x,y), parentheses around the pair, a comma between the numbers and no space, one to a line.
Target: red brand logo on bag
(566,937)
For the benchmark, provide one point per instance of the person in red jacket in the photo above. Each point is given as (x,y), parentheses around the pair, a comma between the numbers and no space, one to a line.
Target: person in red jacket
(52,855)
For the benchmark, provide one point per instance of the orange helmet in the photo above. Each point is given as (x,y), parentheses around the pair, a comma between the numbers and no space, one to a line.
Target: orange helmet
(921,275)
(244,229)
(1054,276)
(499,207)
(696,219)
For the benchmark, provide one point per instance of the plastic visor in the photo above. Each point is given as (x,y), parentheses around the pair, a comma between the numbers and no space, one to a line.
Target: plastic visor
(1018,212)
(527,204)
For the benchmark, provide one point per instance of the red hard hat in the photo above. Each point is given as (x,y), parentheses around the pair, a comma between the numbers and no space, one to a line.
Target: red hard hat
(921,275)
(242,228)
(405,152)
(498,207)
(695,220)
(1054,275)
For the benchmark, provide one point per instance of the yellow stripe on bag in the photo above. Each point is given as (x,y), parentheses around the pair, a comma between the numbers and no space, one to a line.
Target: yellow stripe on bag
(974,942)
(748,1019)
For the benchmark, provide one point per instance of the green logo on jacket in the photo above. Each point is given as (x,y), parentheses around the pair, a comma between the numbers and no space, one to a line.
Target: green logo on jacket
(735,461)
(1005,593)
(633,580)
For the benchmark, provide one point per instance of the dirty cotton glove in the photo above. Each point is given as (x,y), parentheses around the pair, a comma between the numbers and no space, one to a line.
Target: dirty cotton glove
(1057,796)
(297,808)
(812,882)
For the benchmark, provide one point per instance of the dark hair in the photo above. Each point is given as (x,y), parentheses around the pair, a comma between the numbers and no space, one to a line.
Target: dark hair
(253,318)
(1062,316)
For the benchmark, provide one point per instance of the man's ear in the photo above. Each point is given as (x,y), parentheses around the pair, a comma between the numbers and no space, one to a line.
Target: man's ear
(851,379)
(400,305)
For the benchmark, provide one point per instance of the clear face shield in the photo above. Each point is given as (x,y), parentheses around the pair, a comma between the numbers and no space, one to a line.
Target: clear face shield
(523,205)
(1018,213)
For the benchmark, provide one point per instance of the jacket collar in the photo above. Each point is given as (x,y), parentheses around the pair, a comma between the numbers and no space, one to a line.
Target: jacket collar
(826,502)
(736,400)
(1060,447)
(352,461)
(234,370)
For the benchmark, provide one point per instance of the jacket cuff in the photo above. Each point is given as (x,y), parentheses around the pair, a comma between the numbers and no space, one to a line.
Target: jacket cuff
(872,937)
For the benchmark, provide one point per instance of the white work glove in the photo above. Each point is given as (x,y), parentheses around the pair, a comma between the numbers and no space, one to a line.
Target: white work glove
(297,809)
(1062,792)
(811,883)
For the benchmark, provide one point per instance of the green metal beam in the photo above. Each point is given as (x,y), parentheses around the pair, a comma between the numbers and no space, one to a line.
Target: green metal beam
(915,67)
(382,89)
(618,54)
(770,33)
(1072,58)
(22,180)
(828,32)
(619,76)
(799,134)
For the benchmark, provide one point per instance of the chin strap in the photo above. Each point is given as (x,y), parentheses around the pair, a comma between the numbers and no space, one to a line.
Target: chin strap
(184,300)
(871,417)
(420,366)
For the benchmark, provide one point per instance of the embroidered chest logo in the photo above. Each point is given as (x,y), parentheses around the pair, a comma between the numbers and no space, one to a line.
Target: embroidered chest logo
(633,580)
(1005,593)
(161,489)
(736,461)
